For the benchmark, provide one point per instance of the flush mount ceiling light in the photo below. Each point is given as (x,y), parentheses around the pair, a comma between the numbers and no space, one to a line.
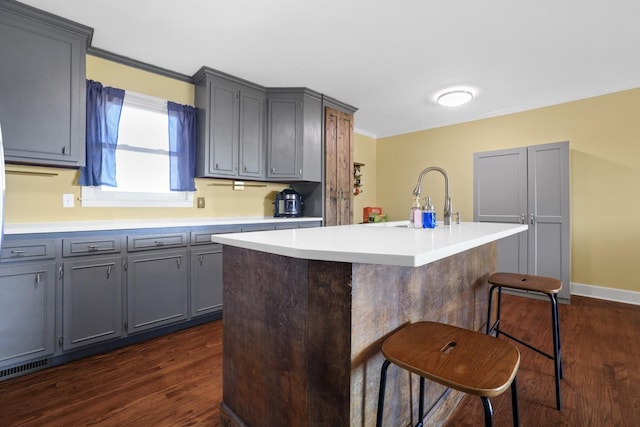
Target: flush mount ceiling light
(454,98)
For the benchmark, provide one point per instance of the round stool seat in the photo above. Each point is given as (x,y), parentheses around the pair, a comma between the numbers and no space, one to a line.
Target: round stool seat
(526,282)
(462,359)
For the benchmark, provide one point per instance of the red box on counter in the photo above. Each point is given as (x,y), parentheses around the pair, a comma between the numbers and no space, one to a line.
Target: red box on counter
(366,212)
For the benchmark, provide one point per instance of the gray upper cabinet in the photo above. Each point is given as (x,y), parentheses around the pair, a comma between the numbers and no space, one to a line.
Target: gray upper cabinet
(42,86)
(230,126)
(528,185)
(294,135)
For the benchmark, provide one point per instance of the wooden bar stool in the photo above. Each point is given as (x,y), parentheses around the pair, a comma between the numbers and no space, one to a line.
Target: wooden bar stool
(461,359)
(542,285)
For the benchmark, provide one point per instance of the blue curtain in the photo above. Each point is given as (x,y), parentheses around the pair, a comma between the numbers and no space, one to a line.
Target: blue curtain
(104,105)
(182,146)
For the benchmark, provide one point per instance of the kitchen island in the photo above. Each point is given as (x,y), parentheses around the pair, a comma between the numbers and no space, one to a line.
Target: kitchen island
(306,311)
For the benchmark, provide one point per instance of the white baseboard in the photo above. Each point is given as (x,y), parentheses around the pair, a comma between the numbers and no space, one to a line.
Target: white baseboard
(610,294)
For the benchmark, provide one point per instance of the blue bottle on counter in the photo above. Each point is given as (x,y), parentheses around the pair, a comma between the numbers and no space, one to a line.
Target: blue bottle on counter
(429,215)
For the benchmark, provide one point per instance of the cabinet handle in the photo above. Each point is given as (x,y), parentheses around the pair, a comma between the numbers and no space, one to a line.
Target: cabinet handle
(18,252)
(216,166)
(108,272)
(523,218)
(300,172)
(273,170)
(64,149)
(159,243)
(531,218)
(244,168)
(178,261)
(38,280)
(200,259)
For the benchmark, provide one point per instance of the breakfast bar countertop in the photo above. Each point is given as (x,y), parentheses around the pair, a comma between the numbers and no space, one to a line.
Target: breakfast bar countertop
(391,243)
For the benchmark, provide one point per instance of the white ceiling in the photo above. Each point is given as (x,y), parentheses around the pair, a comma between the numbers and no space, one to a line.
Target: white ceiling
(387,58)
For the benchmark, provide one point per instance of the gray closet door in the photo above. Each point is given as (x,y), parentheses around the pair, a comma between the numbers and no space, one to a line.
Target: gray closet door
(500,189)
(548,192)
(528,185)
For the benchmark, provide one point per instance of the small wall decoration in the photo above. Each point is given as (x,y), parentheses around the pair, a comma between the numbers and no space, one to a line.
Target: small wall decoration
(357,178)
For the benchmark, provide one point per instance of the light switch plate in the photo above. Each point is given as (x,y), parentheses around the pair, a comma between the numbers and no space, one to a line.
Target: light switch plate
(67,200)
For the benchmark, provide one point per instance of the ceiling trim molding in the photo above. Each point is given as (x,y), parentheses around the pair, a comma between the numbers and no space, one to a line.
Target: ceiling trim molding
(125,60)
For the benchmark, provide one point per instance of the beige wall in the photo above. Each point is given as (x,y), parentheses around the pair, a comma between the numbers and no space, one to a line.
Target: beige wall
(364,151)
(38,198)
(604,137)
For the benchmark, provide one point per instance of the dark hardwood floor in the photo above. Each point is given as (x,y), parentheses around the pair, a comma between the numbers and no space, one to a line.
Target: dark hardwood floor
(176,380)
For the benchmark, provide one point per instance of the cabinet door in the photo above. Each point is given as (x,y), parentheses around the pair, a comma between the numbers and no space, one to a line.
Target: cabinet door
(206,280)
(338,167)
(223,128)
(251,134)
(500,189)
(548,192)
(284,139)
(27,306)
(156,289)
(42,91)
(92,301)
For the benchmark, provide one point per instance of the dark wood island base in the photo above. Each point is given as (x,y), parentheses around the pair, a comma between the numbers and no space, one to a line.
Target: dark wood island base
(302,337)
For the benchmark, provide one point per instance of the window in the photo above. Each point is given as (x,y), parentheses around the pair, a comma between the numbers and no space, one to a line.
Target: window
(142,160)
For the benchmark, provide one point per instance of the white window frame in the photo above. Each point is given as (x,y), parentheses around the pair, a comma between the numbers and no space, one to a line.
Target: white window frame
(97,197)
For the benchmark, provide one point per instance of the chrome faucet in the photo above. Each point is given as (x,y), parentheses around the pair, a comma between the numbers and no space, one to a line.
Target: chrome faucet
(447,200)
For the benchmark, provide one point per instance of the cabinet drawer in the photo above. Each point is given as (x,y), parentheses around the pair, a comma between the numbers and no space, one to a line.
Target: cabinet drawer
(203,237)
(156,241)
(91,245)
(257,227)
(28,250)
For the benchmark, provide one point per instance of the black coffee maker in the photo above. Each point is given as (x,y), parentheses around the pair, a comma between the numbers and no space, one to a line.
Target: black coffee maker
(288,204)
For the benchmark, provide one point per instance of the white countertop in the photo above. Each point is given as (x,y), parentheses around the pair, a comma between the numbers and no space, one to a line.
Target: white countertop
(390,243)
(71,226)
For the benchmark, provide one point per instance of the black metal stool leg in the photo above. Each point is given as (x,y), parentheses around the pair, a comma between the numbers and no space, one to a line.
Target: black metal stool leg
(555,296)
(514,403)
(383,384)
(497,328)
(488,412)
(421,404)
(556,348)
(489,320)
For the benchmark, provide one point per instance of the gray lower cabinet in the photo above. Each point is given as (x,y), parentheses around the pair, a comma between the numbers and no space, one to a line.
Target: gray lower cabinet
(42,86)
(156,289)
(92,301)
(27,309)
(206,280)
(63,295)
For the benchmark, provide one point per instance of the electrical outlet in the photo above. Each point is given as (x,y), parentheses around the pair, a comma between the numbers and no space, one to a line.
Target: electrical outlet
(67,200)
(200,202)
